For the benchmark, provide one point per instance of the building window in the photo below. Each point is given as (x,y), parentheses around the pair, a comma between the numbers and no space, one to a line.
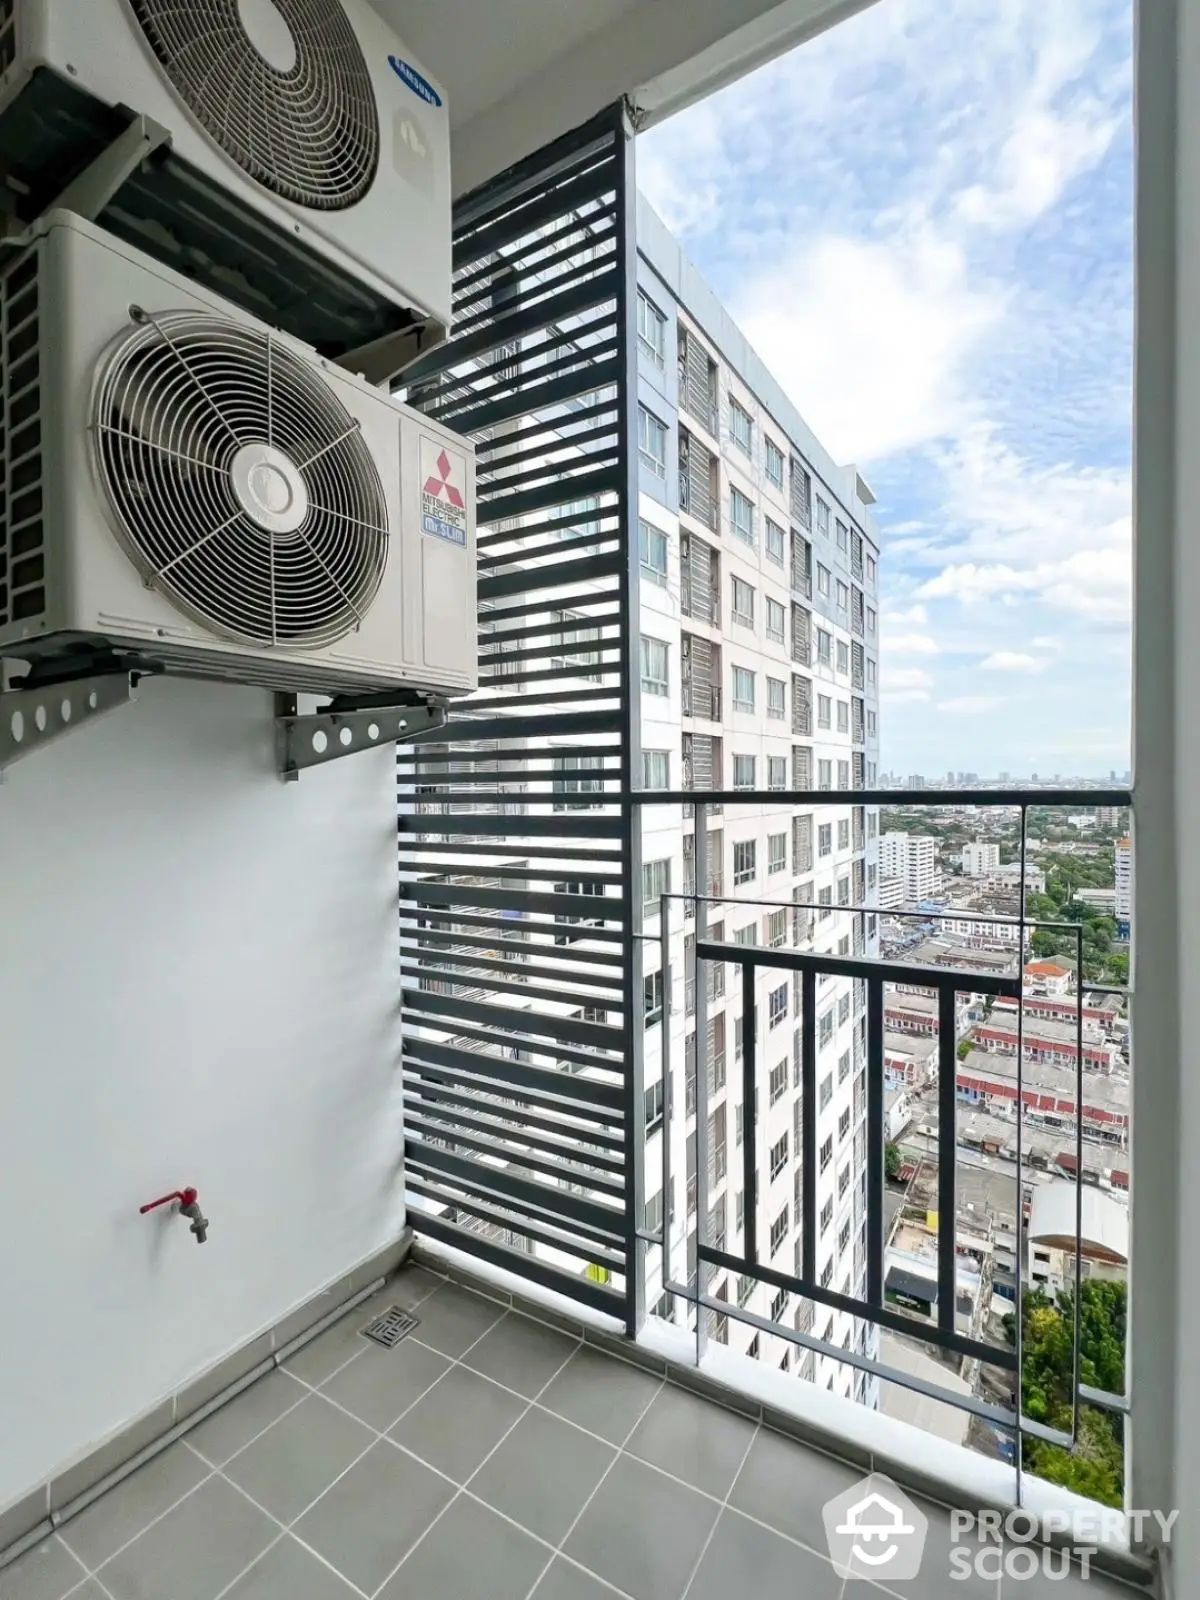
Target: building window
(779,1230)
(776,618)
(824,774)
(774,463)
(744,861)
(567,783)
(745,934)
(870,670)
(577,887)
(843,775)
(843,596)
(654,551)
(843,1124)
(652,329)
(844,834)
(656,769)
(822,579)
(775,542)
(655,678)
(776,772)
(824,903)
(776,698)
(825,839)
(777,1010)
(743,603)
(870,620)
(743,771)
(776,929)
(824,710)
(654,1213)
(843,656)
(776,852)
(843,537)
(822,517)
(825,1155)
(824,647)
(826,1090)
(843,1007)
(741,428)
(743,689)
(843,888)
(825,1028)
(826,1217)
(777,1082)
(654,1106)
(741,515)
(872,725)
(652,987)
(656,881)
(652,442)
(843,716)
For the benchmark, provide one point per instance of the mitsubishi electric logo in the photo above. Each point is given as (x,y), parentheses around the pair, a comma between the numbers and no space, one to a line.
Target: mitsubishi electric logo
(443,485)
(875,1532)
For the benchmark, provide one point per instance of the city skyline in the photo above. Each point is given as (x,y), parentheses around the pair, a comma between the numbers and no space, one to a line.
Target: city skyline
(942,283)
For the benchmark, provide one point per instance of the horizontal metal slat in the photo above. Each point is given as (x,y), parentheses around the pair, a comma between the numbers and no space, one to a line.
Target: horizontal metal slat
(482,413)
(591,1098)
(600,1297)
(555,1239)
(517,1152)
(537,1025)
(604,1219)
(479,1104)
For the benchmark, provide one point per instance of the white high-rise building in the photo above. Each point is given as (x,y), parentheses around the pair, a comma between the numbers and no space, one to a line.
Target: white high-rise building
(1124,882)
(980,858)
(760,587)
(911,857)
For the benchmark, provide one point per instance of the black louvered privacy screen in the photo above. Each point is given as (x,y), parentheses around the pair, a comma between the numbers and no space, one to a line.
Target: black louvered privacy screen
(516,832)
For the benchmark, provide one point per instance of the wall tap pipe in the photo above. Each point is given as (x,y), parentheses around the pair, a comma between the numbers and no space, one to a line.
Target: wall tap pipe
(189,1206)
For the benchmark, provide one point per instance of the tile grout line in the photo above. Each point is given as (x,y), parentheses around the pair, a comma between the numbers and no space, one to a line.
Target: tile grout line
(619,1452)
(212,1471)
(724,1504)
(288,1528)
(463,1488)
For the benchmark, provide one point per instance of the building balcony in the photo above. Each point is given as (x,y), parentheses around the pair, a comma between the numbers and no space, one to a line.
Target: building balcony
(500,1449)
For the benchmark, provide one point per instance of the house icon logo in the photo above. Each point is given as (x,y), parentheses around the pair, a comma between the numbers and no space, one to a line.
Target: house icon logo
(875,1531)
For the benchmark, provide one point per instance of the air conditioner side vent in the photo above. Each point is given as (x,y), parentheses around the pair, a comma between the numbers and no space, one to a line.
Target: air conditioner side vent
(22,526)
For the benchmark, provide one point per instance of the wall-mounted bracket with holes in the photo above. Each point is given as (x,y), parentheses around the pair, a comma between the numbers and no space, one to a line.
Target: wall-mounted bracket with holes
(346,726)
(31,716)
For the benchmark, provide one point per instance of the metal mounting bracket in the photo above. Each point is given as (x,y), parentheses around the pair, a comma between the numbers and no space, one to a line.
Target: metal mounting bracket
(89,193)
(32,718)
(343,730)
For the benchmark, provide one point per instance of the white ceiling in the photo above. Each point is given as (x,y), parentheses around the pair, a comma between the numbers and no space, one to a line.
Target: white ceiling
(481,49)
(517,73)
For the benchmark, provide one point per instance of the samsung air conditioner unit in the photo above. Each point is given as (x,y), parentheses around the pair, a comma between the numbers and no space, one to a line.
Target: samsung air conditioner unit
(192,490)
(307,175)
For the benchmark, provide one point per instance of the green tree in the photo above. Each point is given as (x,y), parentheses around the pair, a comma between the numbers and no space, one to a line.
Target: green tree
(1096,1467)
(891,1160)
(965,1047)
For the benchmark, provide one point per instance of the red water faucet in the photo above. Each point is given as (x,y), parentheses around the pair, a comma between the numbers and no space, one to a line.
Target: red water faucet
(189,1206)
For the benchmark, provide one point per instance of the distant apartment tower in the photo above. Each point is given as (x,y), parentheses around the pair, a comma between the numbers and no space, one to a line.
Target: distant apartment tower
(916,781)
(1108,816)
(1124,882)
(911,857)
(979,858)
(760,645)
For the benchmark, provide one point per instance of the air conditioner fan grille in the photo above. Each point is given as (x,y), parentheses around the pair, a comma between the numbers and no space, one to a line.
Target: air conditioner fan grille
(241,486)
(300,119)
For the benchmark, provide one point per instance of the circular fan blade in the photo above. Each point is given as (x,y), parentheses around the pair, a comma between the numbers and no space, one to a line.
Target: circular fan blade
(281,85)
(240,485)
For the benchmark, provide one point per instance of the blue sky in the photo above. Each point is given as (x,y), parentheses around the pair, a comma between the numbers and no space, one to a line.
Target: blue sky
(923,220)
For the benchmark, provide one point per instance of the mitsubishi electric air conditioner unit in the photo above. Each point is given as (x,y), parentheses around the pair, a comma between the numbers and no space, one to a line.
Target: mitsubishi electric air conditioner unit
(195,491)
(308,172)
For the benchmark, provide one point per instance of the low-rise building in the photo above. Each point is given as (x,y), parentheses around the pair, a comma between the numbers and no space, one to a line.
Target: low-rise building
(979,857)
(908,1060)
(1043,1039)
(1048,1095)
(1049,977)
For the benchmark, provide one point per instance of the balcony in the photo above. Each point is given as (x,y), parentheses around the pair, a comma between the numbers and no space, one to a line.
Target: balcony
(498,1450)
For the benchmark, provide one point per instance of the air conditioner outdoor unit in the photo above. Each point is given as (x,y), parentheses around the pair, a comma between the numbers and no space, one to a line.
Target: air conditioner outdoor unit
(308,173)
(185,484)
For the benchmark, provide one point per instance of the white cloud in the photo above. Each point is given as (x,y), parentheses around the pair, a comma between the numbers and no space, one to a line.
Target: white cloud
(910,644)
(1093,583)
(872,333)
(1011,661)
(970,704)
(905,680)
(897,697)
(917,615)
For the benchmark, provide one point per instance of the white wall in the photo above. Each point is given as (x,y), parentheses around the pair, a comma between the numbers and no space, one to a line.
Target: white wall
(197,985)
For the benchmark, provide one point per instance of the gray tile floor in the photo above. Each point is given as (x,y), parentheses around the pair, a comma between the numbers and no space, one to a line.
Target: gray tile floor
(487,1457)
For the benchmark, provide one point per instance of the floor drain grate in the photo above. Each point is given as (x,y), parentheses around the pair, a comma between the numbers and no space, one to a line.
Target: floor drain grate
(390,1327)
